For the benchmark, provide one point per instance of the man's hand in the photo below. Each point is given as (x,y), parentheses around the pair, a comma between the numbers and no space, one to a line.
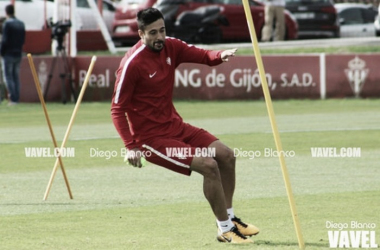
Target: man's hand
(133,157)
(227,54)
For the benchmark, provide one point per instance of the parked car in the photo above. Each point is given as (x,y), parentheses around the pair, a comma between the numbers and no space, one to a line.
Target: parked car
(31,12)
(124,28)
(356,20)
(127,9)
(125,31)
(377,22)
(201,25)
(316,18)
(87,17)
(377,25)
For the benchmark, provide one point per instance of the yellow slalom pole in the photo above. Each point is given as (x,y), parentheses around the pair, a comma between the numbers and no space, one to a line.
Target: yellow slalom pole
(276,135)
(39,92)
(79,100)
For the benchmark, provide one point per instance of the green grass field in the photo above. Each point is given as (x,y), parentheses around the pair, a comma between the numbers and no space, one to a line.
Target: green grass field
(119,207)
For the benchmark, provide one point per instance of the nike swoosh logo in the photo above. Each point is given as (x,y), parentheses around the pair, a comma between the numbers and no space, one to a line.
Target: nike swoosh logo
(227,239)
(151,75)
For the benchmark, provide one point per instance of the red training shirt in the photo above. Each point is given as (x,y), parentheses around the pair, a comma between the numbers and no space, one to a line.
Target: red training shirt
(142,105)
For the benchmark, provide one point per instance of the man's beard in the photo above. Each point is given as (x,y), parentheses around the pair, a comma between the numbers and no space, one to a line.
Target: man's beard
(158,46)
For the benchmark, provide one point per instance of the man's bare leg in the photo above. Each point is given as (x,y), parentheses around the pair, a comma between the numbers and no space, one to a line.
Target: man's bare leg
(212,185)
(226,163)
(216,195)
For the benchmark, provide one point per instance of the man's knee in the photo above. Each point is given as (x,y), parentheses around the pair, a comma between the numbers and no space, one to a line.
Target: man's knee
(227,157)
(207,166)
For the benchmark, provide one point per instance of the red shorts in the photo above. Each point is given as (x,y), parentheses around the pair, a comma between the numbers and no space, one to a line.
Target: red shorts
(176,152)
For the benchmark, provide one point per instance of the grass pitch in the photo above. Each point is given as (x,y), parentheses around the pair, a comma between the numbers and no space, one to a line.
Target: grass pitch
(119,207)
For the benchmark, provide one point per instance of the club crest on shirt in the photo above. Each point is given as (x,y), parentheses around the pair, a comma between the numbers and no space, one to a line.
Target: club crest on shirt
(168,61)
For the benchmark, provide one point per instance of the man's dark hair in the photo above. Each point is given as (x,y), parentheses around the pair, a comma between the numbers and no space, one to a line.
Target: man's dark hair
(10,10)
(148,16)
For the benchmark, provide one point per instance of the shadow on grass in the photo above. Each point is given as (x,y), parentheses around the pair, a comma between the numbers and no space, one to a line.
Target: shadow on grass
(277,243)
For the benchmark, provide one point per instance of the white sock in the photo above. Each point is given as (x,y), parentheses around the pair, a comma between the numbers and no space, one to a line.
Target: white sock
(230,212)
(225,226)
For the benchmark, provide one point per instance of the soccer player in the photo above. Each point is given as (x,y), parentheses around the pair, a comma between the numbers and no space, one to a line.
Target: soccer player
(147,121)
